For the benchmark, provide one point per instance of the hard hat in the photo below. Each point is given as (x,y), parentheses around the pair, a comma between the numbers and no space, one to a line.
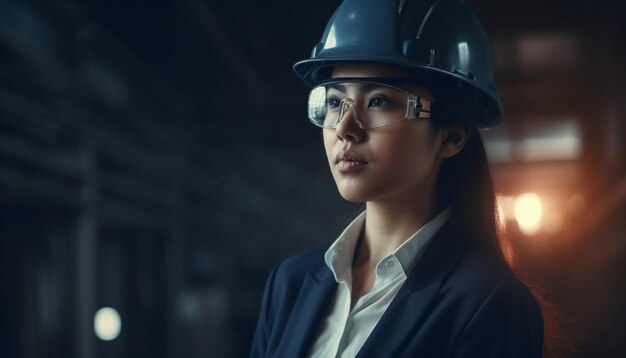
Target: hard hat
(441,42)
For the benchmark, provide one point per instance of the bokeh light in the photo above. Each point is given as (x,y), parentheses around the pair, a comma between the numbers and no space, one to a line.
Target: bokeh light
(107,324)
(528,213)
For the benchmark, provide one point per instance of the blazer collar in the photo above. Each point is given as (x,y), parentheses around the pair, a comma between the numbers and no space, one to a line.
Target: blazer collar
(410,305)
(311,306)
(323,274)
(406,309)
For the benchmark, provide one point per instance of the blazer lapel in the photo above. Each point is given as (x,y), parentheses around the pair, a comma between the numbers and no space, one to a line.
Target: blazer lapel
(310,308)
(409,307)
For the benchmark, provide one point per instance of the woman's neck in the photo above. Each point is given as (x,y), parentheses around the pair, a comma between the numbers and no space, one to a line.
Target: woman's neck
(388,225)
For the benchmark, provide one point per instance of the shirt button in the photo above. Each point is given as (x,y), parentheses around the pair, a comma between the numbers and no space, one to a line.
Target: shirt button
(390,263)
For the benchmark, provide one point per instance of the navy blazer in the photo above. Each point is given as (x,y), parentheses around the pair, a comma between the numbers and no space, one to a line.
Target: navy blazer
(455,303)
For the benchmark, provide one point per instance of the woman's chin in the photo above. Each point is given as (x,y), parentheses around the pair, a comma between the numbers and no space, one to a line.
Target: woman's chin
(354,195)
(353,199)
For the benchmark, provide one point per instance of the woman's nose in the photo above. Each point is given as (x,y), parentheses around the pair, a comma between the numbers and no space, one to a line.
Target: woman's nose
(348,126)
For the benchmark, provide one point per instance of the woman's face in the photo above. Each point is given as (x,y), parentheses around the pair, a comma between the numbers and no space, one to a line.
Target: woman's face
(396,162)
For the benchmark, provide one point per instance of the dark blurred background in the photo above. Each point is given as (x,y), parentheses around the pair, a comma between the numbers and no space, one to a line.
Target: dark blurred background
(156,161)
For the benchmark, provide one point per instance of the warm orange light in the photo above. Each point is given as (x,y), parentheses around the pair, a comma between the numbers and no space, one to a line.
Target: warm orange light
(576,205)
(528,213)
(553,223)
(501,213)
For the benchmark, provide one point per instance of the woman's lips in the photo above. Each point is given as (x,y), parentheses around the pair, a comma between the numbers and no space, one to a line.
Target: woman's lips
(346,166)
(347,161)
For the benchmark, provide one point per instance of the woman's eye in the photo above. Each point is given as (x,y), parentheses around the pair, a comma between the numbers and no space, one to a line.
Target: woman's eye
(378,102)
(333,102)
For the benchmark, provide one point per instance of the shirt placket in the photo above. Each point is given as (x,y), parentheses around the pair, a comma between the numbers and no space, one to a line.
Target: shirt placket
(385,273)
(341,340)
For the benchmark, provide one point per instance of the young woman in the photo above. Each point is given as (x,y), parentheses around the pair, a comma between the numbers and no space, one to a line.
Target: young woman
(400,88)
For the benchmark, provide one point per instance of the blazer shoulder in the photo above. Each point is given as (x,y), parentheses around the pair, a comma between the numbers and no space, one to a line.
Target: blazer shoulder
(486,297)
(477,276)
(508,322)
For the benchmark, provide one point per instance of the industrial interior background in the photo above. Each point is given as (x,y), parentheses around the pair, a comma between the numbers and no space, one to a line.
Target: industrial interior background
(156,159)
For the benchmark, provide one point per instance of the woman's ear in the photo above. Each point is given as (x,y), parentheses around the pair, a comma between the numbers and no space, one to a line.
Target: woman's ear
(453,139)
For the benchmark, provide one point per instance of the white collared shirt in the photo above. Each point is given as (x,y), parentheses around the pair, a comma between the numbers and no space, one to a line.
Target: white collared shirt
(343,332)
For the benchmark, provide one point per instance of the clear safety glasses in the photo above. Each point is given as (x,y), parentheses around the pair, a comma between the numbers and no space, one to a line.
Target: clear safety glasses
(373,103)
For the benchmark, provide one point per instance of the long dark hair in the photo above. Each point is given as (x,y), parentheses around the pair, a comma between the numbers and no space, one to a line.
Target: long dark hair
(465,184)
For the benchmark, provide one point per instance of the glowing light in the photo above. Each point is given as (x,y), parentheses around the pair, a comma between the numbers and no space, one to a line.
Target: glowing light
(107,324)
(553,223)
(501,213)
(506,203)
(528,213)
(560,140)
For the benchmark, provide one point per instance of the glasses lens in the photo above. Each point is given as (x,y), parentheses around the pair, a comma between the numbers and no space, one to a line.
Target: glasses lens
(318,106)
(376,104)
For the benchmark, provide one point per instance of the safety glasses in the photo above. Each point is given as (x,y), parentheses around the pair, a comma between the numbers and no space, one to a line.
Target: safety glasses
(372,102)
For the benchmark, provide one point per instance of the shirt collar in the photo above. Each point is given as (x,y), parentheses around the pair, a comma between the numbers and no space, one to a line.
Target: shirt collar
(340,254)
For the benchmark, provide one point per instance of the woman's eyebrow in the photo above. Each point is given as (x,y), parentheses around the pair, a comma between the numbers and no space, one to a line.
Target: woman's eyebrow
(337,86)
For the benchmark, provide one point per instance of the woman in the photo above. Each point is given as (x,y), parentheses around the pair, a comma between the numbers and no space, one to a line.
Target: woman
(400,89)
